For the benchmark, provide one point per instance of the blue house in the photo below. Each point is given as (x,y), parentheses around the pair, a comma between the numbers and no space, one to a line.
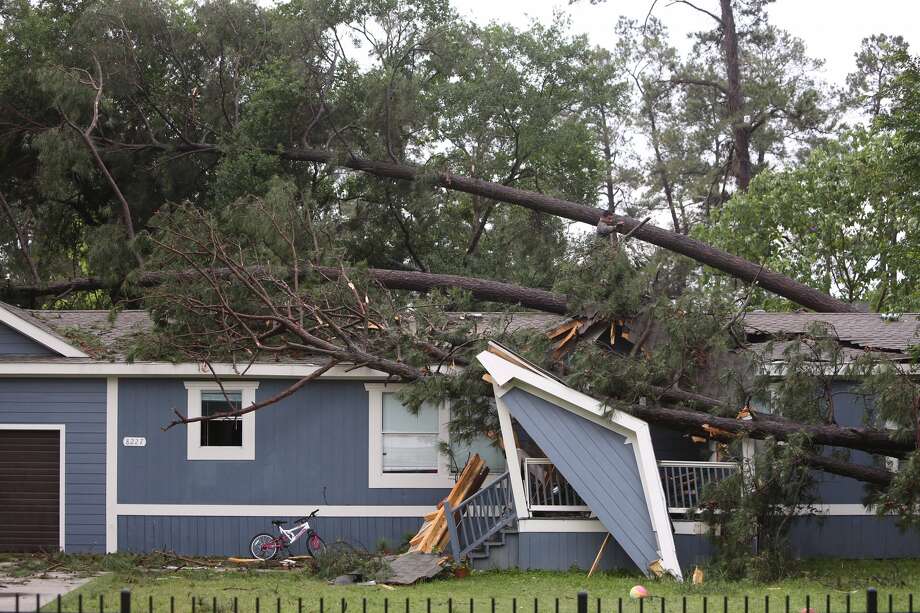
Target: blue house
(86,466)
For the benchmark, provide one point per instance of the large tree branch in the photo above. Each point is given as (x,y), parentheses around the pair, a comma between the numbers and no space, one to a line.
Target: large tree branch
(316,374)
(672,241)
(872,441)
(481,289)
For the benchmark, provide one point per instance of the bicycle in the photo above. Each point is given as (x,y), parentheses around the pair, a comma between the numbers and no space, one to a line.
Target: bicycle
(264,546)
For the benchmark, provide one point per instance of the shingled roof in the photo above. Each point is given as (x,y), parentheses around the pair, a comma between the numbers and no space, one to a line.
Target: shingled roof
(863,330)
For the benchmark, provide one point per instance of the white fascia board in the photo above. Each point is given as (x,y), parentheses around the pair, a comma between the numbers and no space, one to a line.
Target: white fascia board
(38,335)
(36,368)
(503,372)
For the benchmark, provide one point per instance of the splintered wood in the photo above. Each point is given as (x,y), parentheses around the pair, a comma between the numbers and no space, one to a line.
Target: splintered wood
(433,535)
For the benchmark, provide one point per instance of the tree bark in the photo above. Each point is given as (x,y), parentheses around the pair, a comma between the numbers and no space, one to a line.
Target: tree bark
(872,441)
(21,237)
(673,241)
(481,289)
(866,474)
(734,98)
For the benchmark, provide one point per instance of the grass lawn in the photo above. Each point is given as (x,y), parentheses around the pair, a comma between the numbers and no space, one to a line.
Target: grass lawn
(214,591)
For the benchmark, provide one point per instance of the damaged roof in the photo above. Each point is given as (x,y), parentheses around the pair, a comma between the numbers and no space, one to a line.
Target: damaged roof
(109,332)
(870,331)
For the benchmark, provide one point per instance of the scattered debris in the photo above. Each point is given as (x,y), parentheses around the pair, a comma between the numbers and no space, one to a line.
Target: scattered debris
(348,579)
(600,552)
(433,535)
(697,576)
(413,566)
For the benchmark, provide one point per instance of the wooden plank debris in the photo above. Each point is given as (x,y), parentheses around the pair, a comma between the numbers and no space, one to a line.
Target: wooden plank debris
(433,535)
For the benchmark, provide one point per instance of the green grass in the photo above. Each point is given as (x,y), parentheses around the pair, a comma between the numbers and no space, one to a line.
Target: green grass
(215,591)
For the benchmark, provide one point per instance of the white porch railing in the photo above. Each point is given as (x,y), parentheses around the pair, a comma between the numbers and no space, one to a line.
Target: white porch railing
(684,481)
(547,490)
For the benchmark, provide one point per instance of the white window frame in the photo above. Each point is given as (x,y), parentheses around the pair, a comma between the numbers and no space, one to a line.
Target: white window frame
(376,478)
(195,450)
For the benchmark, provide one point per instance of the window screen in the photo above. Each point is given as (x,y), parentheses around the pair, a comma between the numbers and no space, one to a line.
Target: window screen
(410,441)
(223,431)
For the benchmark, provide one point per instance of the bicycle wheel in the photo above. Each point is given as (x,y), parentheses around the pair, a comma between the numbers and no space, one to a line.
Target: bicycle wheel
(315,545)
(263,546)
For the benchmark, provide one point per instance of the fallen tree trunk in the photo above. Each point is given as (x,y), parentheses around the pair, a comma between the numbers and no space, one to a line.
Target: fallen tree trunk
(872,441)
(673,241)
(481,289)
(866,474)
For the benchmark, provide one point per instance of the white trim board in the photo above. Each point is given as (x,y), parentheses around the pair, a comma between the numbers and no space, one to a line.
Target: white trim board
(111,464)
(38,335)
(255,510)
(88,368)
(61,505)
(561,525)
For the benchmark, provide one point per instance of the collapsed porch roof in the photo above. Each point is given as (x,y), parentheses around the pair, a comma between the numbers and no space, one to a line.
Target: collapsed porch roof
(607,456)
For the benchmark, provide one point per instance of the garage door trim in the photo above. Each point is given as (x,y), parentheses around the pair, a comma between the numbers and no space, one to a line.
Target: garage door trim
(60,429)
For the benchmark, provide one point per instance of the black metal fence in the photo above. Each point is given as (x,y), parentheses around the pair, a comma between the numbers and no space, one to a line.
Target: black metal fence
(127,603)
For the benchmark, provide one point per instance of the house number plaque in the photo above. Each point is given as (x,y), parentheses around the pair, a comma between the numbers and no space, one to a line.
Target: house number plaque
(134,441)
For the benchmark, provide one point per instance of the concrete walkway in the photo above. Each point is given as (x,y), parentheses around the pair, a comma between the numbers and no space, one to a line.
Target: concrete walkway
(46,586)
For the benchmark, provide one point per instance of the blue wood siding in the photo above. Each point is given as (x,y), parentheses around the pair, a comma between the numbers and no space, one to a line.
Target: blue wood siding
(79,404)
(853,536)
(230,536)
(612,488)
(565,550)
(15,343)
(311,448)
(850,409)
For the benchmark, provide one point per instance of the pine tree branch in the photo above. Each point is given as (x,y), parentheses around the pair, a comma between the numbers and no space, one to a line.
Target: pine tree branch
(673,241)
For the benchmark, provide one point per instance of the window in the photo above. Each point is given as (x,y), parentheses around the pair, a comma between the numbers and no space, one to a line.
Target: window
(404,447)
(222,431)
(224,438)
(410,441)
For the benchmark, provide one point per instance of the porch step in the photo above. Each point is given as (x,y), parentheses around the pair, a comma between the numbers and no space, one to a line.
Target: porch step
(497,540)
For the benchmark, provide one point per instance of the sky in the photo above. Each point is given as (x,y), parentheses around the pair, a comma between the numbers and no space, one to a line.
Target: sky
(831,29)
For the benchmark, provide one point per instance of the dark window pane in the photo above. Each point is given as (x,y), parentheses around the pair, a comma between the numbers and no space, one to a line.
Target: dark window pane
(226,431)
(222,433)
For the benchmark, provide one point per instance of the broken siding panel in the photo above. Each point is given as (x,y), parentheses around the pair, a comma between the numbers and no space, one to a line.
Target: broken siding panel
(612,488)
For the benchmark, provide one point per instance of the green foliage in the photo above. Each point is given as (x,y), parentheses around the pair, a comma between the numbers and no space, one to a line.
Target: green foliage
(844,221)
(751,513)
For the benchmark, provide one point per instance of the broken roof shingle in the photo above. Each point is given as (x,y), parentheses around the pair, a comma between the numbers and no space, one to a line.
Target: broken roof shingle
(865,330)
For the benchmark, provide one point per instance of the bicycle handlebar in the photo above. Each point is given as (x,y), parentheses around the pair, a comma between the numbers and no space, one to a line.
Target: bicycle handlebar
(301,519)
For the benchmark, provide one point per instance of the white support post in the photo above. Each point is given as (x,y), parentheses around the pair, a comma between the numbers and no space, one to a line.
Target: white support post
(511,456)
